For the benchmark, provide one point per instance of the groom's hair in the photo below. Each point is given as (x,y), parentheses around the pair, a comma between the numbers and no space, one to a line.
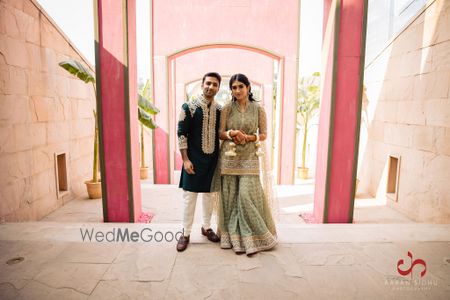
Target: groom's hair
(212,74)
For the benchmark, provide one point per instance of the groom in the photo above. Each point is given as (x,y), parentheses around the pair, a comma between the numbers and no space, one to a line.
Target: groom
(198,142)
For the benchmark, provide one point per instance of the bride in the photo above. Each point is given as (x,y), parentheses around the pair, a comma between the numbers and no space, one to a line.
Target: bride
(245,219)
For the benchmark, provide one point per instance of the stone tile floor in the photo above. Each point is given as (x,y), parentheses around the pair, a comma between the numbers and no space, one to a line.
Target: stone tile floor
(333,261)
(312,261)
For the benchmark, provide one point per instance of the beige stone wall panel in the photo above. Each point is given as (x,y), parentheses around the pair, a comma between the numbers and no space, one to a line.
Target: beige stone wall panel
(34,55)
(8,24)
(14,52)
(15,166)
(386,111)
(399,89)
(15,81)
(15,109)
(424,138)
(58,132)
(21,137)
(42,84)
(81,128)
(42,160)
(45,110)
(408,89)
(10,197)
(406,68)
(437,112)
(398,134)
(30,9)
(411,113)
(439,57)
(62,87)
(33,35)
(6,139)
(443,140)
(42,184)
(432,85)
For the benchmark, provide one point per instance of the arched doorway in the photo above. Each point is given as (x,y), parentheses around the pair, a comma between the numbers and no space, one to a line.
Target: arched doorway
(185,66)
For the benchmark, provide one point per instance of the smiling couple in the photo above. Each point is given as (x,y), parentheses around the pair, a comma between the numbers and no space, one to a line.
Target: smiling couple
(245,222)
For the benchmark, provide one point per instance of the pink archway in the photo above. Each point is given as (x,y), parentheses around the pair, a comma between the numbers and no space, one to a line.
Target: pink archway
(165,146)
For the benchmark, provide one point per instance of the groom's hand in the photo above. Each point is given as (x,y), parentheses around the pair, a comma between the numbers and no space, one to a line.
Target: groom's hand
(189,167)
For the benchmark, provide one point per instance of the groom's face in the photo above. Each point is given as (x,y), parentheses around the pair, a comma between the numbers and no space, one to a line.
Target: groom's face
(210,86)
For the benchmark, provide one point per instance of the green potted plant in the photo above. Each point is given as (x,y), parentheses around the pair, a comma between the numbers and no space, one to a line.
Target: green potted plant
(307,107)
(145,109)
(76,68)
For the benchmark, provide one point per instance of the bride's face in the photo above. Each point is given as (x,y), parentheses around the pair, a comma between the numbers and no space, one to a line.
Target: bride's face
(239,90)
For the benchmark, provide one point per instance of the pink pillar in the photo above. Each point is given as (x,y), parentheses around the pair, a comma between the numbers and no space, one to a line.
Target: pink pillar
(179,100)
(337,157)
(161,141)
(117,109)
(288,121)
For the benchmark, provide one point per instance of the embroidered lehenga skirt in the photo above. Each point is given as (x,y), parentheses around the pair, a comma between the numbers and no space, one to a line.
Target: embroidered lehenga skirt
(246,223)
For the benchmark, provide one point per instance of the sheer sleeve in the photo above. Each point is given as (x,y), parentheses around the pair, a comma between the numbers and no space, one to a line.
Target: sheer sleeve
(224,118)
(184,122)
(262,120)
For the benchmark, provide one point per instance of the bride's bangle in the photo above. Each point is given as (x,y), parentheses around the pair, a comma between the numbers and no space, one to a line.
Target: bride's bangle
(229,135)
(257,137)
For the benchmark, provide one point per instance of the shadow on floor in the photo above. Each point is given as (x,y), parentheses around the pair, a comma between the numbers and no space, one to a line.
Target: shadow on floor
(165,201)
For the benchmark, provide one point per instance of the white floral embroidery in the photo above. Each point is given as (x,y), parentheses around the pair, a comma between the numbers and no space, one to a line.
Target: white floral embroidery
(182,142)
(209,122)
(193,106)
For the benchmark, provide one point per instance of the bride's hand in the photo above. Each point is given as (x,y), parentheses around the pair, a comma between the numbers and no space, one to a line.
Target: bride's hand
(239,138)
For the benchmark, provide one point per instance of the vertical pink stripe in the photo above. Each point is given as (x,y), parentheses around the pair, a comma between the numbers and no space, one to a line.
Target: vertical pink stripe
(347,87)
(134,130)
(161,158)
(324,123)
(113,117)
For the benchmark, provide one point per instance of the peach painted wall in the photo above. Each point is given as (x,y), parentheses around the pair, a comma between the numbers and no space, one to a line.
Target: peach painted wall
(179,25)
(229,61)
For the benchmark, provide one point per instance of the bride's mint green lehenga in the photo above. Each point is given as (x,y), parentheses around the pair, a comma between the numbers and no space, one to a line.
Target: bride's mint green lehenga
(245,218)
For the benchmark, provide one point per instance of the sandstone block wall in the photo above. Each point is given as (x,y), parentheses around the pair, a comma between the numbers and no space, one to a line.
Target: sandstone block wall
(408,114)
(44,110)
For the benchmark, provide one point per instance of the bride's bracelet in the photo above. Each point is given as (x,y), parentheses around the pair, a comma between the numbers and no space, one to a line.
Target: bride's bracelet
(229,135)
(257,137)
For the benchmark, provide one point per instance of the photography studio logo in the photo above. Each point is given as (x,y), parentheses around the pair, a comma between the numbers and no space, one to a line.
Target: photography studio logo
(413,263)
(411,279)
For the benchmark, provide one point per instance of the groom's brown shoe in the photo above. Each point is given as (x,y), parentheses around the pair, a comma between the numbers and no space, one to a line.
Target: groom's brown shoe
(182,243)
(211,235)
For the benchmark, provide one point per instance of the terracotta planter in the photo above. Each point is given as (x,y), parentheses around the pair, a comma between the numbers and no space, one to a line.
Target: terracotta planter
(144,172)
(303,172)
(94,189)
